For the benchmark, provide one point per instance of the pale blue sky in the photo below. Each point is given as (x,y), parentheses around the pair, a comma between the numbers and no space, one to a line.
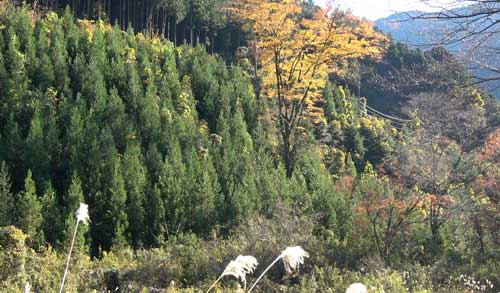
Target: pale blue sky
(375,9)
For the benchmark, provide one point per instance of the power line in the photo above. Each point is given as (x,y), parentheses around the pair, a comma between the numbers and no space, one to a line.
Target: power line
(387,116)
(382,117)
(374,112)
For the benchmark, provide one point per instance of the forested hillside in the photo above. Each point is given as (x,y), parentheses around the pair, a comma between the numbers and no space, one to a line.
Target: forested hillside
(180,21)
(423,31)
(188,155)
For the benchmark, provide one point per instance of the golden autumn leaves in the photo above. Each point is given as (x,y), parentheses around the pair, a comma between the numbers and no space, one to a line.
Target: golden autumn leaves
(296,53)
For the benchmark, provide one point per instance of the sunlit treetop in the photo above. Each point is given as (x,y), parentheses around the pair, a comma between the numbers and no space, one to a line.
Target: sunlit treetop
(296,54)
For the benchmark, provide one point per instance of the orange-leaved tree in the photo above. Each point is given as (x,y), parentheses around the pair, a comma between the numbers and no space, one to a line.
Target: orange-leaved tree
(491,149)
(296,54)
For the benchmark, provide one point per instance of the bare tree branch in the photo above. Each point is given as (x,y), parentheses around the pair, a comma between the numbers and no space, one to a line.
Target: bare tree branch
(471,28)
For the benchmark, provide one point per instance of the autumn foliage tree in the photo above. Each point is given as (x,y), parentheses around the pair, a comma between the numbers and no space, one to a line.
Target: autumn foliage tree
(295,55)
(389,209)
(485,210)
(491,149)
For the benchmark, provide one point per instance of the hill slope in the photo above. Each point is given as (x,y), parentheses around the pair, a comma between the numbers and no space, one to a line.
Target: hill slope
(181,165)
(422,33)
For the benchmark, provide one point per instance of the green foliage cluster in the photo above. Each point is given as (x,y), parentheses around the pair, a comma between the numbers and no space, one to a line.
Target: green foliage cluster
(149,135)
(187,263)
(352,137)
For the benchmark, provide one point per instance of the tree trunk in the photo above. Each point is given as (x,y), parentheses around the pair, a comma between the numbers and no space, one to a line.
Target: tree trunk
(288,151)
(175,33)
(435,224)
(163,23)
(184,40)
(212,42)
(256,76)
(480,234)
(168,28)
(191,36)
(122,20)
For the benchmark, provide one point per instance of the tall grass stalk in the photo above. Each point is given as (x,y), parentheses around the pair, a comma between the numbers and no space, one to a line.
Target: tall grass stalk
(292,257)
(215,283)
(265,271)
(238,268)
(82,215)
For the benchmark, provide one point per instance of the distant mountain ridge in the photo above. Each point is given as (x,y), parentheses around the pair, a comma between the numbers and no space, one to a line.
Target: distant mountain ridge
(409,32)
(423,33)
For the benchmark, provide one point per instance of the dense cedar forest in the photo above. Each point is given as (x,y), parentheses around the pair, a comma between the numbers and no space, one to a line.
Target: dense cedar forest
(200,130)
(203,22)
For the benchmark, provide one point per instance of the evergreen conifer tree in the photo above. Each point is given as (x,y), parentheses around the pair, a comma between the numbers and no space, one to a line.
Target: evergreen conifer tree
(235,166)
(153,163)
(172,184)
(202,191)
(329,103)
(13,152)
(109,215)
(155,218)
(60,60)
(135,177)
(18,82)
(6,196)
(28,211)
(117,205)
(5,104)
(51,225)
(36,156)
(73,198)
(43,74)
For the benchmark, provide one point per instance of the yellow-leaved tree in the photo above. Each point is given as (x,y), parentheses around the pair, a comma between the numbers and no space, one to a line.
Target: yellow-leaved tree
(296,54)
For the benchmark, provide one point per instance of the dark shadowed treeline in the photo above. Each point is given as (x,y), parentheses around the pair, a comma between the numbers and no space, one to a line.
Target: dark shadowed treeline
(195,22)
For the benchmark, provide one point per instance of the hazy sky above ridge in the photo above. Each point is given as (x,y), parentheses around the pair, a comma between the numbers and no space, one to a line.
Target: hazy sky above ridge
(375,9)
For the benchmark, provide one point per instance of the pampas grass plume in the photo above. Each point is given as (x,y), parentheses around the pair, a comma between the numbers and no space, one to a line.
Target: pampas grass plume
(27,287)
(292,258)
(82,214)
(357,288)
(238,268)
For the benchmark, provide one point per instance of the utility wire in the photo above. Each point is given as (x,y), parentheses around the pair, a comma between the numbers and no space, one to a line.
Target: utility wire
(387,116)
(380,116)
(372,113)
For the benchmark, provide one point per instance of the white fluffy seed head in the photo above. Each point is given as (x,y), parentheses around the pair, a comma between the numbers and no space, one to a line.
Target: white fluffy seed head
(27,287)
(293,257)
(82,214)
(240,267)
(356,288)
(248,262)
